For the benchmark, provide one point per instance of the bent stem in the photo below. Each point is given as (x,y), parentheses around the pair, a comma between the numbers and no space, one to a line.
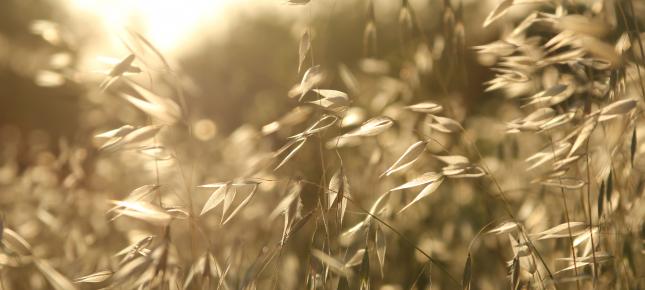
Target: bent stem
(506,203)
(395,231)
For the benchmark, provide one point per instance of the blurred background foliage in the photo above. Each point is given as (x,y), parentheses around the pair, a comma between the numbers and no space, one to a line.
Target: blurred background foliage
(235,70)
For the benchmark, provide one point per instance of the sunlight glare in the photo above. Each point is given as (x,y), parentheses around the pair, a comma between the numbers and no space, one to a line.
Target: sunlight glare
(169,24)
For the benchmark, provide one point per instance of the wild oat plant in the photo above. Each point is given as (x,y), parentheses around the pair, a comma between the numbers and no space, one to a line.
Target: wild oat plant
(375,178)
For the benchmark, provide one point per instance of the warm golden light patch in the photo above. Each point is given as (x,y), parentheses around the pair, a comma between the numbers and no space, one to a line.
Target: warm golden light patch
(169,24)
(204,129)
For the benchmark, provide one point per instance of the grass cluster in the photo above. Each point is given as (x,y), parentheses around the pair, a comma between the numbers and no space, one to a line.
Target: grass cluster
(375,177)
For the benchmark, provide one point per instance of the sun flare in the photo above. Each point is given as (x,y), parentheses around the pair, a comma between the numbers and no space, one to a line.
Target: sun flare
(170,24)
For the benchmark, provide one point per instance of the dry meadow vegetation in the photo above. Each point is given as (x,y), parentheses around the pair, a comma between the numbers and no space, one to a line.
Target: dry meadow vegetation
(399,167)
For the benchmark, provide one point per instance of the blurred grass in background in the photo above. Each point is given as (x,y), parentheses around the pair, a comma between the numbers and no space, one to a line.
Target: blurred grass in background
(226,69)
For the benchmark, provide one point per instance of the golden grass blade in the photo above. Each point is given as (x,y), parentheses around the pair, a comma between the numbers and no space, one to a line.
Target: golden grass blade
(425,107)
(121,68)
(334,264)
(137,36)
(319,126)
(356,259)
(467,277)
(430,188)
(412,154)
(142,134)
(242,204)
(303,49)
(621,107)
(499,11)
(566,182)
(286,202)
(118,132)
(364,272)
(15,242)
(445,125)
(136,247)
(583,136)
(142,210)
(142,192)
(97,277)
(336,188)
(504,228)
(55,278)
(311,79)
(215,199)
(333,100)
(562,230)
(381,247)
(297,143)
(425,178)
(229,197)
(294,117)
(348,78)
(371,127)
(515,274)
